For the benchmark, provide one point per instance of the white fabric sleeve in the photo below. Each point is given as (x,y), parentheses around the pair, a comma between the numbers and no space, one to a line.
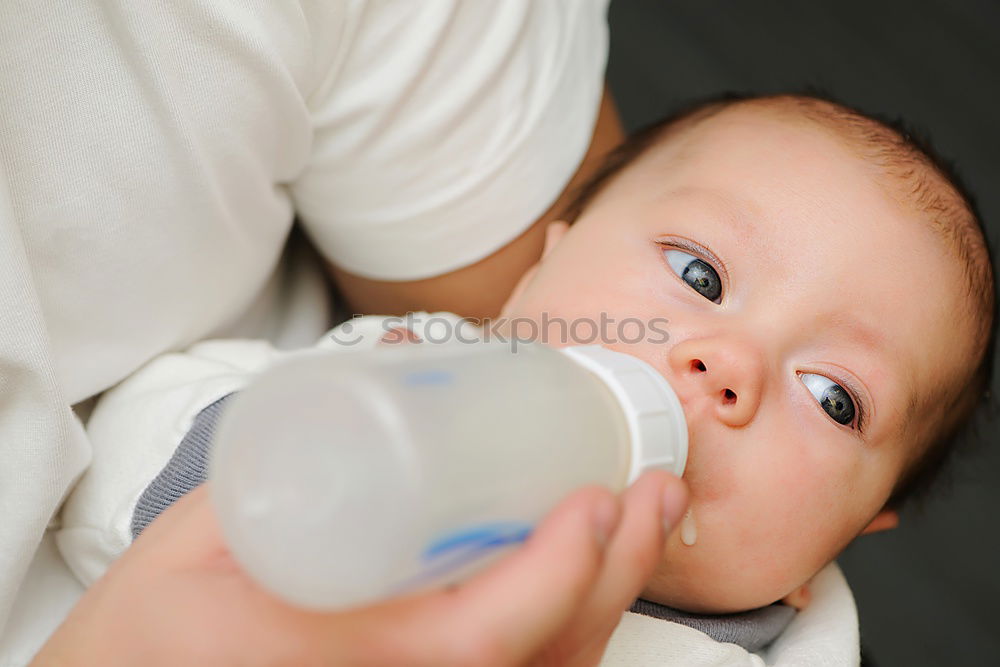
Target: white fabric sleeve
(824,634)
(134,430)
(411,177)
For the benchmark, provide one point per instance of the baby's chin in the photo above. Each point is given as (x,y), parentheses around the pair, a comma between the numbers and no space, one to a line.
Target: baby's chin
(699,584)
(697,599)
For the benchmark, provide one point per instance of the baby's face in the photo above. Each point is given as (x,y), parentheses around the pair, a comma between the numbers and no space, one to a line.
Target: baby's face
(814,311)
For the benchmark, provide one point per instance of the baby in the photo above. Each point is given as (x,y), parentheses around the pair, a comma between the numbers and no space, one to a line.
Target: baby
(831,311)
(830,315)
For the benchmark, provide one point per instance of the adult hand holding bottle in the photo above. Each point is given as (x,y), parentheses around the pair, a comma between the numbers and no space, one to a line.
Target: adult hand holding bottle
(177,597)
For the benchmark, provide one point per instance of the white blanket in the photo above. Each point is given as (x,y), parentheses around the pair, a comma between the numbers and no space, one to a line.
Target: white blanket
(824,634)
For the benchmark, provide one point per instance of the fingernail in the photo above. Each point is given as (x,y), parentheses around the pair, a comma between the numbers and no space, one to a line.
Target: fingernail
(606,518)
(674,502)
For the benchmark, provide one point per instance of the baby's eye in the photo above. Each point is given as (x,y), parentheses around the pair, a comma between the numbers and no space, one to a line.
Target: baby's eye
(696,273)
(831,396)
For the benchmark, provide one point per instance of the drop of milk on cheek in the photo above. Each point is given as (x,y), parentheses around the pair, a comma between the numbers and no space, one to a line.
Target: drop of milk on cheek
(689,531)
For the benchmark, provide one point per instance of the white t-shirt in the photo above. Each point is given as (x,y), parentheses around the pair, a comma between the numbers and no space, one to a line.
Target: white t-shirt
(152,155)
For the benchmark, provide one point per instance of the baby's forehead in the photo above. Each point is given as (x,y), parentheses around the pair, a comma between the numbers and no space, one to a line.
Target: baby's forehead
(826,133)
(760,168)
(774,130)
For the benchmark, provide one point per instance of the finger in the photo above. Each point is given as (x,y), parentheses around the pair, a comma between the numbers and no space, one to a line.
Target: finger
(507,613)
(651,507)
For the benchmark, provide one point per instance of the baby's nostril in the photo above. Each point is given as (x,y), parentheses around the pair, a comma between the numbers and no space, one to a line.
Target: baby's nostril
(696,365)
(728,396)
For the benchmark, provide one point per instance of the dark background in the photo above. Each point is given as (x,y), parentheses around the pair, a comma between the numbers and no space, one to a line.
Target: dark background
(928,593)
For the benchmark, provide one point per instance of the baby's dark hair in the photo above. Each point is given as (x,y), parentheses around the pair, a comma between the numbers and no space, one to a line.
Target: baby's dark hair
(910,166)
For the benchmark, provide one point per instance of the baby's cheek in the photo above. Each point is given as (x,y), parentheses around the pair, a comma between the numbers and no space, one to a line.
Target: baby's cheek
(714,470)
(798,497)
(804,515)
(759,536)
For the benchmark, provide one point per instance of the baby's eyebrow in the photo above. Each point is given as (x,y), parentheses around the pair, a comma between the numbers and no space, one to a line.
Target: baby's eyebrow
(862,333)
(739,212)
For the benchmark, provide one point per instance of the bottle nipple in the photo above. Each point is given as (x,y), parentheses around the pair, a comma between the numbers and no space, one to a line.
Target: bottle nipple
(689,531)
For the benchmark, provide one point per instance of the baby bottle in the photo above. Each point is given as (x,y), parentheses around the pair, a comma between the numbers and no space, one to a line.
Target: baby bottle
(344,479)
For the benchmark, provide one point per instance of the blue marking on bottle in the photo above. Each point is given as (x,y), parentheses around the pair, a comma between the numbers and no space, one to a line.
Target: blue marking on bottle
(481,538)
(427,377)
(460,548)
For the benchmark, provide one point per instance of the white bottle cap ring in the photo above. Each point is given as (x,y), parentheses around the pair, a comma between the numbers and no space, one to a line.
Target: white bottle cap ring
(652,410)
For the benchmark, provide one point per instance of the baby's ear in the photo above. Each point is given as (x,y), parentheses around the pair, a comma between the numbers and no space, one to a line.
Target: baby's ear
(553,234)
(799,598)
(884,520)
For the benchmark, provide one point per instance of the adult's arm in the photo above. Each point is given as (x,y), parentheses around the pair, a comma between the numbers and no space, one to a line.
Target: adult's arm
(480,289)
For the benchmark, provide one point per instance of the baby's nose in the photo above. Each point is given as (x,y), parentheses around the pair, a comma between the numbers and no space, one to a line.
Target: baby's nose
(726,374)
